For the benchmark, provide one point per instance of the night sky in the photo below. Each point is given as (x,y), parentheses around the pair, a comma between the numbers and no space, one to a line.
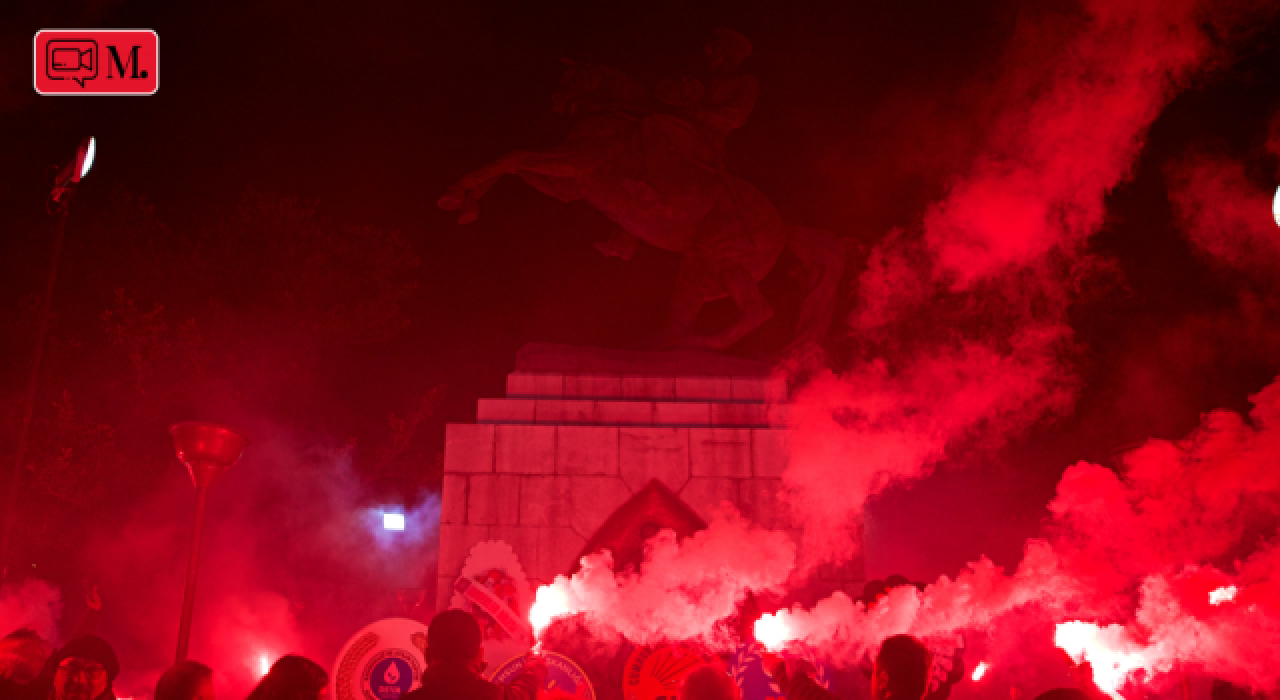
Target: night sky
(369,110)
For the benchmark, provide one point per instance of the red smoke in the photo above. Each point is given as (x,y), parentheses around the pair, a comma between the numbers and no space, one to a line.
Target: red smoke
(1168,526)
(682,589)
(857,433)
(282,514)
(961,327)
(961,333)
(33,604)
(1073,127)
(1225,214)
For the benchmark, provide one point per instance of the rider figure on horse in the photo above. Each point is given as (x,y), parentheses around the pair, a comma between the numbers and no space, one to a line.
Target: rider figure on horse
(684,145)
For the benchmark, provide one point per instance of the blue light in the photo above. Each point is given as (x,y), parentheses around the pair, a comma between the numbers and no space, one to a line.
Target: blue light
(393,521)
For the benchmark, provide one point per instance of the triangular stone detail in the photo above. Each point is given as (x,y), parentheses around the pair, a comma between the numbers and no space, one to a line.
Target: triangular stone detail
(653,509)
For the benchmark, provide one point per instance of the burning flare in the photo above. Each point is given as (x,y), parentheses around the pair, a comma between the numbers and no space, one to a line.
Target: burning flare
(683,589)
(549,603)
(773,632)
(1222,595)
(979,671)
(1109,650)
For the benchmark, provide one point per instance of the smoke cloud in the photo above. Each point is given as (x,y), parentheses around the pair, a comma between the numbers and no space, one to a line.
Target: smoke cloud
(1177,547)
(33,604)
(961,329)
(295,560)
(962,337)
(845,630)
(860,432)
(1225,214)
(1167,564)
(682,590)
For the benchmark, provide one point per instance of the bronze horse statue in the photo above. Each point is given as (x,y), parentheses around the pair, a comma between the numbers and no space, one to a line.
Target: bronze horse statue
(729,233)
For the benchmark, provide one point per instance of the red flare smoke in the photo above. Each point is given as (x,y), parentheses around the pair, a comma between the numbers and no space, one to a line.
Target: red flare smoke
(683,587)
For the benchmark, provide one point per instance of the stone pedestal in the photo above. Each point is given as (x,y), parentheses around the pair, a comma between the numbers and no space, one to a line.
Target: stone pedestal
(546,466)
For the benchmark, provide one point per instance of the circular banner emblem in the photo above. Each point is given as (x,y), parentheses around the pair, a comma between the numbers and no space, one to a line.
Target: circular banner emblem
(388,675)
(565,680)
(656,673)
(747,669)
(383,661)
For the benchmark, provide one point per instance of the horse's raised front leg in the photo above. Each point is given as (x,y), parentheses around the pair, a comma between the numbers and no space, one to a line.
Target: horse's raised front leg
(464,195)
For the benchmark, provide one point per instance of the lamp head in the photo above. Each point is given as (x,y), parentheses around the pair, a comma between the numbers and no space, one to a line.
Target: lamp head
(76,169)
(84,157)
(206,448)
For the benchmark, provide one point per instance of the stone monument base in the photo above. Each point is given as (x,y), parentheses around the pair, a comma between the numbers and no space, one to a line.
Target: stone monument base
(593,445)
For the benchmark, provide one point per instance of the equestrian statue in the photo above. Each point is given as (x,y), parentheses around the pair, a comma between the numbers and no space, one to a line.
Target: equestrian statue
(655,166)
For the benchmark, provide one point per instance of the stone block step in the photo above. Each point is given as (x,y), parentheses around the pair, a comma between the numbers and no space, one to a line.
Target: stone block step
(637,412)
(634,453)
(621,386)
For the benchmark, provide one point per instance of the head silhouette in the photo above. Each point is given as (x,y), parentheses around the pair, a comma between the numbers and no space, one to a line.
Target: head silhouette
(454,635)
(895,580)
(873,591)
(901,669)
(186,680)
(84,669)
(709,683)
(1066,694)
(292,677)
(22,655)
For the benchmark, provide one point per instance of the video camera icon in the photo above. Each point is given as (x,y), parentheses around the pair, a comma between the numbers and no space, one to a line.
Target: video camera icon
(71,59)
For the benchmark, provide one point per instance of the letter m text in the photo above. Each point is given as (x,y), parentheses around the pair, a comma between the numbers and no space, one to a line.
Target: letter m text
(130,62)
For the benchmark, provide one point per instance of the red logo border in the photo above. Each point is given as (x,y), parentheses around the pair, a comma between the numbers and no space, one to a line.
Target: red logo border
(35,54)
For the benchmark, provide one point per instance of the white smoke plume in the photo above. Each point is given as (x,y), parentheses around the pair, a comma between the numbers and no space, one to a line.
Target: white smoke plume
(683,589)
(33,604)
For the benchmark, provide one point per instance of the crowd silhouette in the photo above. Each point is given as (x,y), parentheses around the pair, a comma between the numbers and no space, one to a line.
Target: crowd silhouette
(86,667)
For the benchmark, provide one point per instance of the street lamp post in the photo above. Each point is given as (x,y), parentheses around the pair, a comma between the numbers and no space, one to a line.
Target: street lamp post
(63,189)
(208,449)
